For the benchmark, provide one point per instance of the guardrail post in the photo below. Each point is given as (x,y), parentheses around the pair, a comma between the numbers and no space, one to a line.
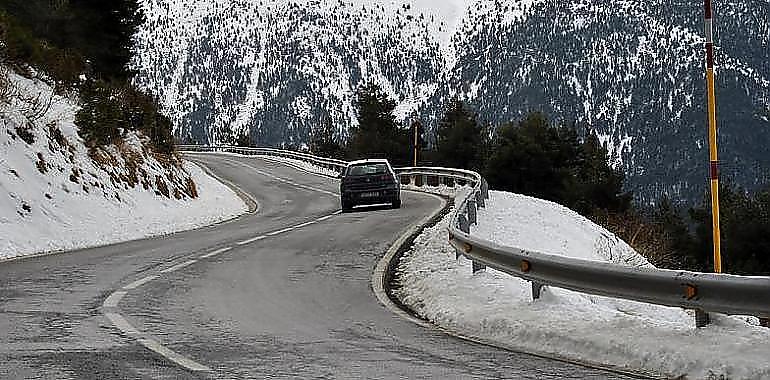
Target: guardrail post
(424,181)
(485,188)
(536,288)
(702,318)
(478,267)
(464,227)
(472,212)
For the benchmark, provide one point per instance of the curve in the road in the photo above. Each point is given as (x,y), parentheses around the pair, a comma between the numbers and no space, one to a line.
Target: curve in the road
(111,309)
(293,305)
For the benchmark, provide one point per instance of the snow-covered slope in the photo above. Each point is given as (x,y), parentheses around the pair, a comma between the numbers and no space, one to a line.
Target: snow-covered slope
(498,308)
(56,195)
(631,71)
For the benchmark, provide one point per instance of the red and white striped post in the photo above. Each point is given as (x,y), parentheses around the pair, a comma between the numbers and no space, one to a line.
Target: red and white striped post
(702,318)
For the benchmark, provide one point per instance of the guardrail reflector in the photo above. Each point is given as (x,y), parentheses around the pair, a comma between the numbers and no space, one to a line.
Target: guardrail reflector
(690,291)
(467,248)
(526,266)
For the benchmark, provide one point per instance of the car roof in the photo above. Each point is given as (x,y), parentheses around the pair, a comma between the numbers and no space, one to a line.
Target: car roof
(369,161)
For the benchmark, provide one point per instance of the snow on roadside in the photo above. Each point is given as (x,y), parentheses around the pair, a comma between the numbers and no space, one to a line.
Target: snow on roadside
(444,190)
(55,195)
(624,334)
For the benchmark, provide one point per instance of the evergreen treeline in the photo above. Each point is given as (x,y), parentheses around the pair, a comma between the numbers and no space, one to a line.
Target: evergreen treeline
(561,164)
(378,133)
(85,45)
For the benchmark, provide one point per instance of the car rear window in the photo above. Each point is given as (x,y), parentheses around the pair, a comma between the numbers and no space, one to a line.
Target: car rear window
(366,169)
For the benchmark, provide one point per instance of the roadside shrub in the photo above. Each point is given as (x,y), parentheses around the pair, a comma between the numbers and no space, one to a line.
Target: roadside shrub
(109,111)
(100,119)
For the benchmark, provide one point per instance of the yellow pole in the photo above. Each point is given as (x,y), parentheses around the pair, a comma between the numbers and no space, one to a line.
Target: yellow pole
(713,156)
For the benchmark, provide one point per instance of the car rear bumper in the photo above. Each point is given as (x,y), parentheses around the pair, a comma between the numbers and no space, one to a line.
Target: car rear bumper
(371,196)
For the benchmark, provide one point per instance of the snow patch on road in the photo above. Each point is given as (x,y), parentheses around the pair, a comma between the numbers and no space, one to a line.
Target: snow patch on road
(629,335)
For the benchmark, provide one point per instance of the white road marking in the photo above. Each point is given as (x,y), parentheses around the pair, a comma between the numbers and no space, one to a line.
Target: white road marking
(306,224)
(121,323)
(139,283)
(288,229)
(179,266)
(173,356)
(114,299)
(281,231)
(217,252)
(329,216)
(258,238)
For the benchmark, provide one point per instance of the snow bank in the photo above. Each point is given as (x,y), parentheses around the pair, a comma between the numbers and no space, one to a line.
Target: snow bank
(444,190)
(629,335)
(56,195)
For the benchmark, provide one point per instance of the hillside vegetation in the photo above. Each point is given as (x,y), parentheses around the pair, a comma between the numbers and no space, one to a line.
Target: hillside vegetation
(559,163)
(84,47)
(85,158)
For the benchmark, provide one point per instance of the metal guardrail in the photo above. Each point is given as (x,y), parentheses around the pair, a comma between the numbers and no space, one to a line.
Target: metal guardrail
(703,292)
(326,163)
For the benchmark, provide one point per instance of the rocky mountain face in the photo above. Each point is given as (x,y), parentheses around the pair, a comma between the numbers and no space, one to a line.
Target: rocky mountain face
(275,69)
(633,72)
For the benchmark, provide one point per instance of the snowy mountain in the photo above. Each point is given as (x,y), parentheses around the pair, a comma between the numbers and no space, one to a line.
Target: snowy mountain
(631,71)
(275,69)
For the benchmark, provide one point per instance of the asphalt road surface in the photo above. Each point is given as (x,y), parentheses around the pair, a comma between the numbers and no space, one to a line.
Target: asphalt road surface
(244,299)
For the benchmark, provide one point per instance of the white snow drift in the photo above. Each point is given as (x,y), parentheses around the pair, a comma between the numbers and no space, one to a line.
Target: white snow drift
(496,307)
(55,196)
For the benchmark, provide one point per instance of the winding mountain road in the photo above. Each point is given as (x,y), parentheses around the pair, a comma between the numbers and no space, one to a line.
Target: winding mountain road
(282,292)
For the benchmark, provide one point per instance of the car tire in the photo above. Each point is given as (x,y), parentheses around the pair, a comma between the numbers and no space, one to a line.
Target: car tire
(347,206)
(397,203)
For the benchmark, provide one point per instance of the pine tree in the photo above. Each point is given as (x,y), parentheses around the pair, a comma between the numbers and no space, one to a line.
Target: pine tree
(676,237)
(460,142)
(552,163)
(378,133)
(598,184)
(323,141)
(527,159)
(745,232)
(98,33)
